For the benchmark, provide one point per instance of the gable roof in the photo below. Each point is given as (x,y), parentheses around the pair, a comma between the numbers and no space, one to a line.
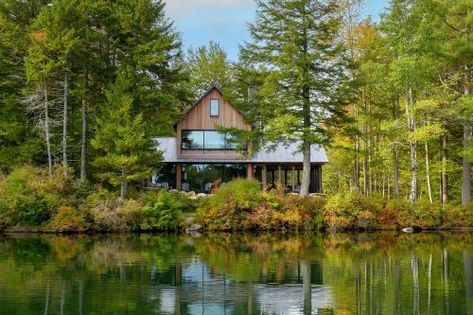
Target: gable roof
(212,87)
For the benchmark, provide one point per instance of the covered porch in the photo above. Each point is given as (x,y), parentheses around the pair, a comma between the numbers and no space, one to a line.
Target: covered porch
(202,177)
(270,165)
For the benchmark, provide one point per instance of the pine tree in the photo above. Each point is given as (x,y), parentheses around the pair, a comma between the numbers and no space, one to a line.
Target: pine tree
(297,41)
(126,153)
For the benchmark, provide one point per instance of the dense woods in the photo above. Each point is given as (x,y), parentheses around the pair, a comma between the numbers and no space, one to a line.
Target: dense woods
(86,85)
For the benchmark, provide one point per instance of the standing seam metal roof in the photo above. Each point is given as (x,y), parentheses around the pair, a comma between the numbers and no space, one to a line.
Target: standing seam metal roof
(269,154)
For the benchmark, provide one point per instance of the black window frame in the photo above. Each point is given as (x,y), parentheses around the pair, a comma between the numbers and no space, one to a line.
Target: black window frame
(225,148)
(218,107)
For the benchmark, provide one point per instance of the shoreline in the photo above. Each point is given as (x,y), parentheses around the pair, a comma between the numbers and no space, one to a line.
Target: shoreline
(29,230)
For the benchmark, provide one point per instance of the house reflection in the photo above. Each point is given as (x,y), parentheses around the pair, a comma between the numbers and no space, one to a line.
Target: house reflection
(204,290)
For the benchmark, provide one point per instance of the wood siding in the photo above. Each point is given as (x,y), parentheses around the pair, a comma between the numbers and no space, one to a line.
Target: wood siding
(198,118)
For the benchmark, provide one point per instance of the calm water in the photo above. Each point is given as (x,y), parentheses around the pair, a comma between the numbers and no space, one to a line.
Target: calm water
(385,273)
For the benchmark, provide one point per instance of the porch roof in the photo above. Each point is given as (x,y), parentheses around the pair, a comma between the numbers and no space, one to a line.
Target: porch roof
(268,154)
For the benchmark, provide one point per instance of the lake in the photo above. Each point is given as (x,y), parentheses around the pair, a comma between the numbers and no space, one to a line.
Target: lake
(364,273)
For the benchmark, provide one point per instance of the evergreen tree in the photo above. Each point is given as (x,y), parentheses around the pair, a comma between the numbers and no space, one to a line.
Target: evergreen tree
(297,41)
(126,153)
(19,142)
(209,65)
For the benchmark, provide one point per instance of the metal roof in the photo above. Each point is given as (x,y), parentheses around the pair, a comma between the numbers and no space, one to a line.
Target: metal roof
(268,154)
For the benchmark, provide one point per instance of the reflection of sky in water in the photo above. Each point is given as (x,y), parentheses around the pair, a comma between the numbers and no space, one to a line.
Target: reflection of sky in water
(205,292)
(210,309)
(287,299)
(386,273)
(168,301)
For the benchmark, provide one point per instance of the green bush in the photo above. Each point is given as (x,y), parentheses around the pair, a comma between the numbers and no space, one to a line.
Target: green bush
(231,206)
(428,215)
(164,213)
(242,205)
(107,212)
(400,210)
(22,201)
(351,211)
(67,219)
(295,213)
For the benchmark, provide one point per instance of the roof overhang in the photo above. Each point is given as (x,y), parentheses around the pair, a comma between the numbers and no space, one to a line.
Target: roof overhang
(277,154)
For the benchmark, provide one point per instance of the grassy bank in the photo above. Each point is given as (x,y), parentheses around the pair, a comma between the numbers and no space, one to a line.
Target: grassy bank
(29,200)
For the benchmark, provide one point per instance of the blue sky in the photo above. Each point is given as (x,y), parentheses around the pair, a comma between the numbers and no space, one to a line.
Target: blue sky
(225,21)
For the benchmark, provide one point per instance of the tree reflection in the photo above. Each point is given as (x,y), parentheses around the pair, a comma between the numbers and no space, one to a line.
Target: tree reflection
(384,273)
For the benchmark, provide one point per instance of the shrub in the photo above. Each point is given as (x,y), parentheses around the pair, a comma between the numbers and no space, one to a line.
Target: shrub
(400,209)
(427,214)
(295,212)
(165,213)
(351,211)
(67,219)
(110,213)
(231,207)
(22,203)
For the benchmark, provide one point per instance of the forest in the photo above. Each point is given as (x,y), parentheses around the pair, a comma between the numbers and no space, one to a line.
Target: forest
(86,85)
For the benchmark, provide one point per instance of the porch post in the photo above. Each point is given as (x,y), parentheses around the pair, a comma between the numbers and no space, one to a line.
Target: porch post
(280,174)
(263,176)
(249,171)
(178,176)
(293,177)
(321,180)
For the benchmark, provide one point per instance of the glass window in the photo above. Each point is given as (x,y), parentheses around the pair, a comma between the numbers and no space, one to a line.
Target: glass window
(200,177)
(214,107)
(214,140)
(207,140)
(192,139)
(230,142)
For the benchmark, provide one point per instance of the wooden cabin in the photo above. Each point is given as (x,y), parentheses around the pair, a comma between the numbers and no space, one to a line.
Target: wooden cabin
(201,155)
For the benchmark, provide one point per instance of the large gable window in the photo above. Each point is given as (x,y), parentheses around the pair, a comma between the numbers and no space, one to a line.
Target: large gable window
(214,107)
(192,140)
(207,140)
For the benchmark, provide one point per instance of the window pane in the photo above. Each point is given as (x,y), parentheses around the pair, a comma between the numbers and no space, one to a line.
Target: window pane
(192,139)
(214,107)
(214,140)
(230,142)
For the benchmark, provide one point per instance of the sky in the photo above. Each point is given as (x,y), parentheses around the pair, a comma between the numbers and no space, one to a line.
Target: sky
(226,21)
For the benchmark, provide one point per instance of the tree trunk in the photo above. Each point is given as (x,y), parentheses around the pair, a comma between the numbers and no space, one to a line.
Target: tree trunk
(84,142)
(306,170)
(307,122)
(395,173)
(356,176)
(412,145)
(444,170)
(466,191)
(47,132)
(64,122)
(427,172)
(395,154)
(466,195)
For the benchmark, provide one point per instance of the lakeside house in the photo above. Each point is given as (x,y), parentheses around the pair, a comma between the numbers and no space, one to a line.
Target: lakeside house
(200,156)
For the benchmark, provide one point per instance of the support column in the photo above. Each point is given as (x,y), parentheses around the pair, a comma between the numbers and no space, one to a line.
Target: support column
(321,180)
(293,178)
(280,174)
(264,178)
(178,176)
(249,171)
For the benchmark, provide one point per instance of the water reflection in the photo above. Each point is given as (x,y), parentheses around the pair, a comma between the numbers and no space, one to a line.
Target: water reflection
(385,273)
